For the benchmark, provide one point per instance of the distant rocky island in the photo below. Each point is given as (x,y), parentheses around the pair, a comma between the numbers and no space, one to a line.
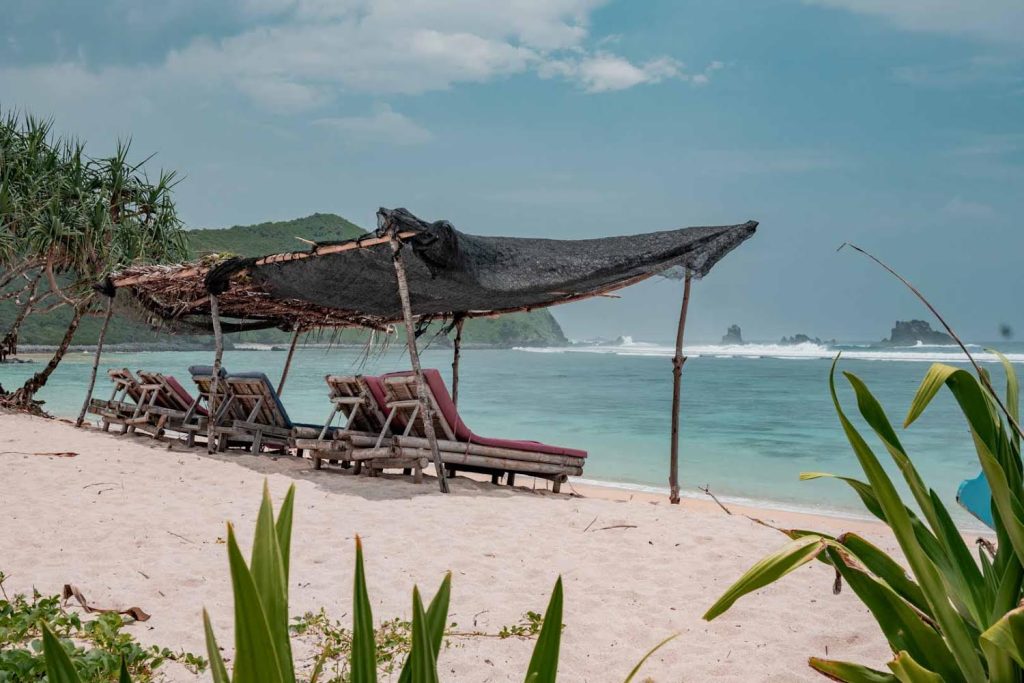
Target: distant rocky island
(733,335)
(910,332)
(804,339)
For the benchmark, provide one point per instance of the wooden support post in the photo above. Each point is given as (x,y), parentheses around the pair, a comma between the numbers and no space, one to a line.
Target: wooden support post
(426,410)
(677,371)
(218,354)
(96,361)
(288,360)
(455,360)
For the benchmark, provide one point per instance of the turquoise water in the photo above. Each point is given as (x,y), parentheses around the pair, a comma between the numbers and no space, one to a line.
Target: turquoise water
(753,417)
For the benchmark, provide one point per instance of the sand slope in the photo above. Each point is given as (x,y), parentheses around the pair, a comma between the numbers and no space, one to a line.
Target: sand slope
(135,524)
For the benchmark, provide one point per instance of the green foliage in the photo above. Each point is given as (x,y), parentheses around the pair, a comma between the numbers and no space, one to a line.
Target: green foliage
(95,649)
(954,618)
(272,237)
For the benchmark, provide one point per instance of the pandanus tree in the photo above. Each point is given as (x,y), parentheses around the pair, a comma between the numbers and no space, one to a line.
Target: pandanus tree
(67,221)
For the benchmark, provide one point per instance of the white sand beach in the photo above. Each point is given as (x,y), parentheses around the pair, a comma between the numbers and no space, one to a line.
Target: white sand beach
(131,522)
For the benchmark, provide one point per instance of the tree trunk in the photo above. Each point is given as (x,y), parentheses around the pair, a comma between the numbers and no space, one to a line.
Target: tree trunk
(218,355)
(96,362)
(455,360)
(9,344)
(677,371)
(288,360)
(22,398)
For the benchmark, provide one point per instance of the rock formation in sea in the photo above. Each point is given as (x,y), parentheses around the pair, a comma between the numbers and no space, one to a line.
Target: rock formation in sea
(804,339)
(733,335)
(910,332)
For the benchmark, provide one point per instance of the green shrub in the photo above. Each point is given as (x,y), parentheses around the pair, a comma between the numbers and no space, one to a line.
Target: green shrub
(953,618)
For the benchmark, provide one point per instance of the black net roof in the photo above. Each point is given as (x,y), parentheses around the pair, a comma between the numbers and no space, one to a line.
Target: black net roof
(450,273)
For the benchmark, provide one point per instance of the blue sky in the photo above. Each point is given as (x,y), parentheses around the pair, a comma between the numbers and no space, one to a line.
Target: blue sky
(894,124)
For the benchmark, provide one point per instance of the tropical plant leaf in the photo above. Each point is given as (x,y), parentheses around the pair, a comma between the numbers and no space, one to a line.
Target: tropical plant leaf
(422,663)
(364,648)
(849,672)
(59,668)
(256,658)
(770,569)
(437,621)
(885,568)
(124,676)
(1007,635)
(284,532)
(543,666)
(907,670)
(218,671)
(267,569)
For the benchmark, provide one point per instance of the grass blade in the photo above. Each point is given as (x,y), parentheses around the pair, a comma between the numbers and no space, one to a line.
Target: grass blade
(124,676)
(770,569)
(364,647)
(255,653)
(437,621)
(544,662)
(643,660)
(267,569)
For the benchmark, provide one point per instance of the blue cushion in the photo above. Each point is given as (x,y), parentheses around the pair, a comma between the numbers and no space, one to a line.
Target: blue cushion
(205,370)
(273,392)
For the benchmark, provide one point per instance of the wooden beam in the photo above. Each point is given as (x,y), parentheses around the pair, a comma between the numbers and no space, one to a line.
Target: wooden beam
(218,354)
(455,360)
(332,249)
(288,360)
(426,409)
(677,371)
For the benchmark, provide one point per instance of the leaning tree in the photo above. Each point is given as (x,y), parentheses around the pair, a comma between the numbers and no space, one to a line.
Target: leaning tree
(66,222)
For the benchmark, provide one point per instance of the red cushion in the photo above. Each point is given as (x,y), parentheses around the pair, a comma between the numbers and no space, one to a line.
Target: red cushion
(182,394)
(462,432)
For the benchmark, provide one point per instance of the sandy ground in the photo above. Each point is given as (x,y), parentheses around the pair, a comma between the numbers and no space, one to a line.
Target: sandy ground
(131,522)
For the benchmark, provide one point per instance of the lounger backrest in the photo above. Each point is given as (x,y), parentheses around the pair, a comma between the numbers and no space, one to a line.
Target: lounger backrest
(202,375)
(165,397)
(369,417)
(124,381)
(401,391)
(258,399)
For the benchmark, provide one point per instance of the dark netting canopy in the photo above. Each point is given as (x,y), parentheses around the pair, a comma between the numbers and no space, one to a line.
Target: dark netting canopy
(449,273)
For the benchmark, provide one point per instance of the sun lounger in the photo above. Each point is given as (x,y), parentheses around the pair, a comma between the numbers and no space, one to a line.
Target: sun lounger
(171,406)
(260,417)
(460,448)
(197,423)
(361,425)
(128,403)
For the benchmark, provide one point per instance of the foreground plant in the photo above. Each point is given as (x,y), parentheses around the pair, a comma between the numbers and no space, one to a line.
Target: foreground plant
(263,651)
(98,647)
(953,618)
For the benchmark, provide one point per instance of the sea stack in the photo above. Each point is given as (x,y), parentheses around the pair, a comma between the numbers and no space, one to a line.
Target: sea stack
(910,332)
(733,335)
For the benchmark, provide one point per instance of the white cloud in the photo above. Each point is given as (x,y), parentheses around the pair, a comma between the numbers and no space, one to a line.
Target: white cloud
(296,55)
(964,209)
(987,70)
(997,21)
(385,125)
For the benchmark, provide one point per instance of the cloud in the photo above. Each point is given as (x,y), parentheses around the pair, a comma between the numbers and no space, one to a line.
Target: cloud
(961,208)
(385,125)
(300,55)
(994,21)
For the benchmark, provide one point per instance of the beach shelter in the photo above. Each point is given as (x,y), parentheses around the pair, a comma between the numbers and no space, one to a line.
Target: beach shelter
(415,272)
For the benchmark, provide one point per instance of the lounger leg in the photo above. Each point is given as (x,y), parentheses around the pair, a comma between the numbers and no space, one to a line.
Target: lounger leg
(407,471)
(190,440)
(358,467)
(257,439)
(451,471)
(496,478)
(221,443)
(417,476)
(511,479)
(317,462)
(106,426)
(557,486)
(345,464)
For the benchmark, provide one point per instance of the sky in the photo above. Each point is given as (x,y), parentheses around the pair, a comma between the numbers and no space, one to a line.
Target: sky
(897,125)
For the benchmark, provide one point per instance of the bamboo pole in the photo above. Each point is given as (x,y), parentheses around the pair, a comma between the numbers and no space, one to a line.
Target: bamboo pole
(96,361)
(426,409)
(218,354)
(677,371)
(288,360)
(455,360)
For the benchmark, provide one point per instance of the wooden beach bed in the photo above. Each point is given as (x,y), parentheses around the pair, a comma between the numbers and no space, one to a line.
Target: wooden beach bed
(460,448)
(364,424)
(128,403)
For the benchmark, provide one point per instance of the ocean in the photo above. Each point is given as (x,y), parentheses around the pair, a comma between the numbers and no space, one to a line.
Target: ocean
(753,416)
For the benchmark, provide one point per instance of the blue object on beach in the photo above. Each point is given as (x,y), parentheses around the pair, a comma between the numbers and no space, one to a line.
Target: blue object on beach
(975,496)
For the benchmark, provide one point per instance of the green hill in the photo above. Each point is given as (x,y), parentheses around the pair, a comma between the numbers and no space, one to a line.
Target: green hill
(537,328)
